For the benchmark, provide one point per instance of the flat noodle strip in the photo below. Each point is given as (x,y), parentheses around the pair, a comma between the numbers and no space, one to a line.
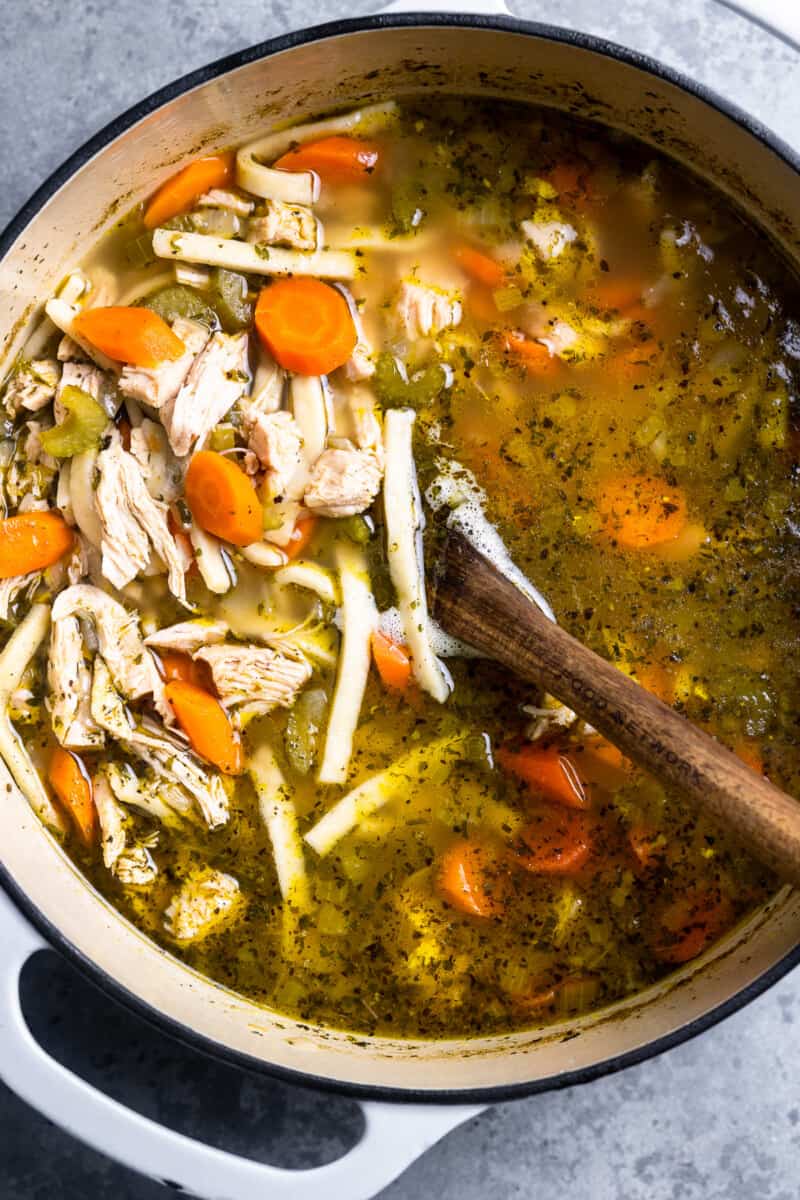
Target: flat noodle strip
(359,620)
(374,793)
(279,815)
(254,260)
(404,522)
(18,652)
(300,187)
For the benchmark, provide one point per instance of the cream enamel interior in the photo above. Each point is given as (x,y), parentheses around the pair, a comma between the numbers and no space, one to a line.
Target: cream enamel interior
(340,70)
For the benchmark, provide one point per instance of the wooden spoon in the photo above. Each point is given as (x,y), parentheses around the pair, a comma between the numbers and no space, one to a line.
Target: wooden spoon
(474,602)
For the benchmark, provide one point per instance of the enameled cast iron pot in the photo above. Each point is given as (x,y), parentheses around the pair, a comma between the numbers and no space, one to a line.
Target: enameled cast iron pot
(46,900)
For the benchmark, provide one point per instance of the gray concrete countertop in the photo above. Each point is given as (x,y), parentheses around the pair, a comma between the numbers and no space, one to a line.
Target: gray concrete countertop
(716,1119)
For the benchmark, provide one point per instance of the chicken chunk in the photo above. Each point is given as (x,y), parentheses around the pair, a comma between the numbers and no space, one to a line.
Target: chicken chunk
(425,311)
(277,441)
(156,386)
(69,681)
(132,667)
(360,365)
(285,225)
(217,379)
(202,904)
(133,523)
(255,677)
(32,386)
(68,349)
(343,482)
(188,636)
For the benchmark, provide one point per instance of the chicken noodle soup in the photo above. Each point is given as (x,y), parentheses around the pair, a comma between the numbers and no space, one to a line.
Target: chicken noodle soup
(221,685)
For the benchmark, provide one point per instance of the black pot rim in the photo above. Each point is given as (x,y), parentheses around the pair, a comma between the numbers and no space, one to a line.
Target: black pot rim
(51,933)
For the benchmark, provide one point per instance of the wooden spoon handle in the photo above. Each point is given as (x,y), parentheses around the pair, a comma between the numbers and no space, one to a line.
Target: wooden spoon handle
(474,602)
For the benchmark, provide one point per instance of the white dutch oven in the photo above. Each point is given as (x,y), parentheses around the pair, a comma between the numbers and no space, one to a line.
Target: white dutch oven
(48,902)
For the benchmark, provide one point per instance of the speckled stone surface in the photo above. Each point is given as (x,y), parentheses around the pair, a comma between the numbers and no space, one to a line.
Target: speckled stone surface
(716,1119)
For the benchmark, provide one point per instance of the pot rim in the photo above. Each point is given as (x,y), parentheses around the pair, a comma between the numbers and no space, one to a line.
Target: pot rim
(60,176)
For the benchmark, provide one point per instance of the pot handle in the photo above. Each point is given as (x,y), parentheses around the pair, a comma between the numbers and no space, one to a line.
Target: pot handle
(394,1134)
(781,17)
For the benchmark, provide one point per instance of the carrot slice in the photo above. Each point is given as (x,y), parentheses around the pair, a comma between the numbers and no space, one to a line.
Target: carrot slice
(177,665)
(306,325)
(392,661)
(640,511)
(335,159)
(472,880)
(531,355)
(32,541)
(130,335)
(205,722)
(301,535)
(183,188)
(548,771)
(70,781)
(479,266)
(222,499)
(558,840)
(690,924)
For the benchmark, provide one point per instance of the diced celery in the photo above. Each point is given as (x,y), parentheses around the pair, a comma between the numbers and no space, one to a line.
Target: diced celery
(223,437)
(229,296)
(303,728)
(355,528)
(82,428)
(179,301)
(396,390)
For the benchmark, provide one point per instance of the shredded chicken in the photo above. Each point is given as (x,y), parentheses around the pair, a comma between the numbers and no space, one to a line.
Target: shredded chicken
(201,905)
(188,636)
(132,522)
(32,386)
(159,385)
(217,379)
(68,349)
(232,201)
(132,667)
(69,681)
(425,311)
(285,225)
(343,482)
(165,753)
(133,865)
(11,589)
(255,677)
(276,440)
(152,795)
